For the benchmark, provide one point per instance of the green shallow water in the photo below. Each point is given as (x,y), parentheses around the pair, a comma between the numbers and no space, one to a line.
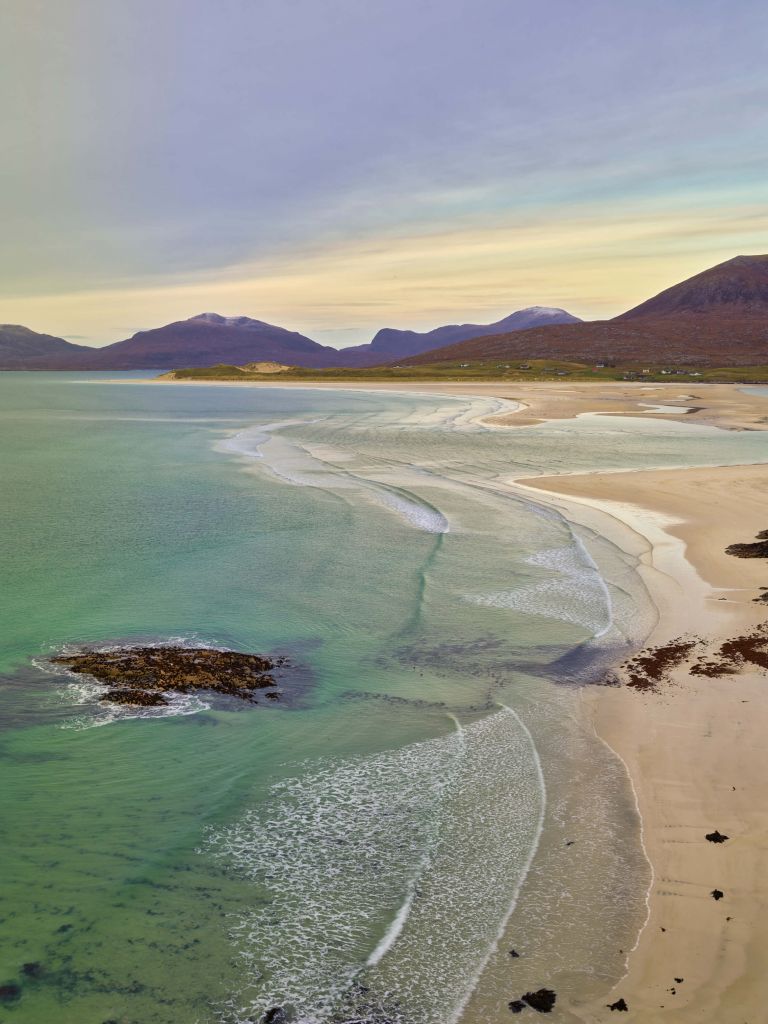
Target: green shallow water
(355,853)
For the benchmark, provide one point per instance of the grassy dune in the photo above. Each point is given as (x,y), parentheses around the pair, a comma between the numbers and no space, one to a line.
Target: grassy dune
(488,370)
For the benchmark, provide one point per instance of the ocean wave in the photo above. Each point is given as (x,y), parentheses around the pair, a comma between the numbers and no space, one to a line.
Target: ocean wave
(359,863)
(294,463)
(577,593)
(414,510)
(249,441)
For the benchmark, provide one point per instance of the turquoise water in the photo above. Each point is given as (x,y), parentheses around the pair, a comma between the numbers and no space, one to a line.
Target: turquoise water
(364,851)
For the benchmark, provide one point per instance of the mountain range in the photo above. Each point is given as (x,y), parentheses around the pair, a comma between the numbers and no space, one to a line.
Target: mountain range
(211,338)
(717,318)
(390,343)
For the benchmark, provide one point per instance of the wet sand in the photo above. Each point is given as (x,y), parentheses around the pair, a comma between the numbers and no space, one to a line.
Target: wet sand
(723,405)
(695,750)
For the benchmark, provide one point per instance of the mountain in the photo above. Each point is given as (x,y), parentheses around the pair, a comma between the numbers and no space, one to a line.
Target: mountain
(716,318)
(207,339)
(390,343)
(20,348)
(736,287)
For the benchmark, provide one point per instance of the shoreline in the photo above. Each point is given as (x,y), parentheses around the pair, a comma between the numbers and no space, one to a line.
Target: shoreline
(693,757)
(693,754)
(727,406)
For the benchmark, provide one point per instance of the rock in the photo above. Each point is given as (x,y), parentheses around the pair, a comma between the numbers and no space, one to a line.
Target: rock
(620,1005)
(141,675)
(679,980)
(716,837)
(517,1006)
(33,969)
(542,1000)
(137,698)
(717,894)
(276,1015)
(10,993)
(757,549)
(514,954)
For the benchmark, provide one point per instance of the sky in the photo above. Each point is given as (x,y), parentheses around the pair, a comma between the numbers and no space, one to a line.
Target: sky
(337,166)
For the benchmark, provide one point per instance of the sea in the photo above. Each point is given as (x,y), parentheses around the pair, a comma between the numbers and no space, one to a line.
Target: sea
(425,826)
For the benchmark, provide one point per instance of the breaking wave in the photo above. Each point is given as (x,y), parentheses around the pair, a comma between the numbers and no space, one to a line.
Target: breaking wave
(381,883)
(575,592)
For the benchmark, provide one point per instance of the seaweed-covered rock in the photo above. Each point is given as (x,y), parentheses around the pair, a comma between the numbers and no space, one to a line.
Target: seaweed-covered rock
(716,837)
(141,675)
(757,549)
(717,894)
(542,1000)
(620,1004)
(136,698)
(517,1006)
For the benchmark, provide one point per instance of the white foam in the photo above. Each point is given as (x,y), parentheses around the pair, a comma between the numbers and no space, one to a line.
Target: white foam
(249,441)
(418,513)
(577,593)
(361,863)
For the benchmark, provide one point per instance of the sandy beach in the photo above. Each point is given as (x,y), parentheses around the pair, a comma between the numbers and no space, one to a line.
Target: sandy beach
(695,749)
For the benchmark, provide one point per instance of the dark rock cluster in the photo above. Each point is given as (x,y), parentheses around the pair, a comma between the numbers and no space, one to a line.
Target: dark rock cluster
(142,675)
(542,1000)
(757,549)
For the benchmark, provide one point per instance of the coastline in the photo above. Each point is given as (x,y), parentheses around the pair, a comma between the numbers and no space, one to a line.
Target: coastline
(694,750)
(727,406)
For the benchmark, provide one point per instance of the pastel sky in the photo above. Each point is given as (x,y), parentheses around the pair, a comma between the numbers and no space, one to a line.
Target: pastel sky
(336,166)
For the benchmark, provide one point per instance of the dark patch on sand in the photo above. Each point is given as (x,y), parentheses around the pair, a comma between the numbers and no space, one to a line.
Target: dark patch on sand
(652,666)
(542,1000)
(757,549)
(734,655)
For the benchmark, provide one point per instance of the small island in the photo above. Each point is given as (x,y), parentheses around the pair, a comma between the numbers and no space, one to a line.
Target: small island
(143,675)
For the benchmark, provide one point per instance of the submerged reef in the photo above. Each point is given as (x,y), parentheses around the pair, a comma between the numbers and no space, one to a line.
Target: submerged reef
(142,675)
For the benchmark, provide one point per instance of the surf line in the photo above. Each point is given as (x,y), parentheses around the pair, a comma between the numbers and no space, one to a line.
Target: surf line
(398,922)
(492,948)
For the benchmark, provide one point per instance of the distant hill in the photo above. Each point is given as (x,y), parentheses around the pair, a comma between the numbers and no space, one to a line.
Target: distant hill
(206,339)
(390,343)
(717,318)
(736,287)
(20,347)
